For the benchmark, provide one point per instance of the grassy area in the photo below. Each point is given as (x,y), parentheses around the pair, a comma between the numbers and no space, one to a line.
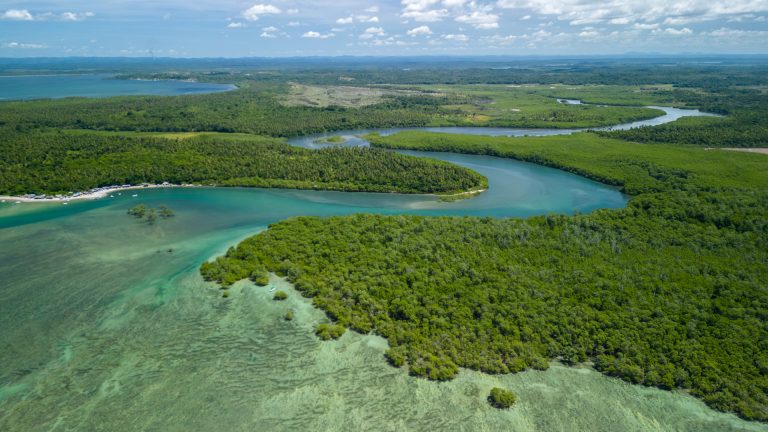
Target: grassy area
(536,106)
(668,292)
(343,96)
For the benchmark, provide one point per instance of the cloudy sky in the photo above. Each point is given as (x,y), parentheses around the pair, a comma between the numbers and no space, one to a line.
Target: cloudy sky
(234,28)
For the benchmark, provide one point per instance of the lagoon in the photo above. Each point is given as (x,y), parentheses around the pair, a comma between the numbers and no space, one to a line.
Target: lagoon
(97,86)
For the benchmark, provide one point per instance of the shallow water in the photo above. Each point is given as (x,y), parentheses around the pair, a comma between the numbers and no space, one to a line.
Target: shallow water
(106,325)
(60,86)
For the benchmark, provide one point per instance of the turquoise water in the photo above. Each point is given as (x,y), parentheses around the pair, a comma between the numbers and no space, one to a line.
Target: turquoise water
(60,86)
(106,325)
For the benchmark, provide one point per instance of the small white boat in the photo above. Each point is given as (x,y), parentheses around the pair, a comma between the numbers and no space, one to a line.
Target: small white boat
(18,202)
(273,288)
(135,195)
(65,203)
(111,196)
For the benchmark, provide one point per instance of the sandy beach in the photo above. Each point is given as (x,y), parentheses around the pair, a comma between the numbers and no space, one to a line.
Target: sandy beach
(749,150)
(92,194)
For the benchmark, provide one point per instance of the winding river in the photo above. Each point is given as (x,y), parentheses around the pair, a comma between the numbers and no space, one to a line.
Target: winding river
(105,323)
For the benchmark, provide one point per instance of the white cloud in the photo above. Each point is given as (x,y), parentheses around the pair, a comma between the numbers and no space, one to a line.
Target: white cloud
(235,24)
(375,31)
(675,32)
(422,30)
(317,35)
(724,32)
(72,16)
(676,12)
(456,37)
(372,9)
(588,34)
(525,18)
(25,15)
(620,21)
(270,29)
(480,20)
(359,18)
(422,10)
(18,45)
(253,13)
(268,35)
(17,15)
(640,26)
(294,24)
(292,11)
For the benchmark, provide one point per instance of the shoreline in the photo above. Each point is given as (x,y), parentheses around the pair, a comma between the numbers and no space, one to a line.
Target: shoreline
(758,150)
(93,194)
(469,192)
(104,192)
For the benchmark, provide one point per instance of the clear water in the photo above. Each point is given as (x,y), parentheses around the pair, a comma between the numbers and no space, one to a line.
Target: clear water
(60,86)
(106,325)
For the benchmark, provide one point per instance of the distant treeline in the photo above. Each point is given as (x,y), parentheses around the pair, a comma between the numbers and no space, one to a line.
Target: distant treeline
(513,72)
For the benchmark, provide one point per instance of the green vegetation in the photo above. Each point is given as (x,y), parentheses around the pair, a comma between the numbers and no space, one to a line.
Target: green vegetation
(62,162)
(746,124)
(289,315)
(637,169)
(225,294)
(259,108)
(254,110)
(280,296)
(530,106)
(150,215)
(165,212)
(330,331)
(334,139)
(261,279)
(138,211)
(740,130)
(668,292)
(501,398)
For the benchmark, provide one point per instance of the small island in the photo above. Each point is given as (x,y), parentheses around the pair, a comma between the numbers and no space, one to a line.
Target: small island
(501,398)
(333,139)
(327,331)
(149,214)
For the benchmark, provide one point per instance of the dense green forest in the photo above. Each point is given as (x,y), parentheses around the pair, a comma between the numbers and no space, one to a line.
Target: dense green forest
(745,124)
(668,292)
(253,110)
(62,162)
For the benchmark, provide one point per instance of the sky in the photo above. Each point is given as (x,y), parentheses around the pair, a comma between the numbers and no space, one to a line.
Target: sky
(285,28)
